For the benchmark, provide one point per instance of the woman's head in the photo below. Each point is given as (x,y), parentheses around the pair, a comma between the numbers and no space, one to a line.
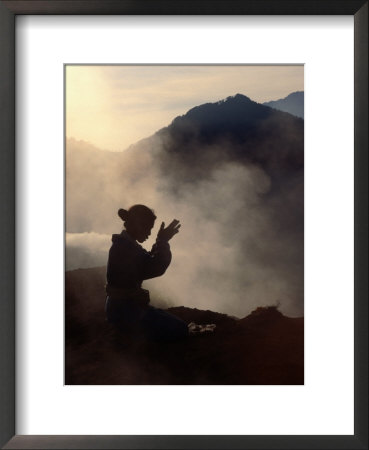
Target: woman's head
(138,221)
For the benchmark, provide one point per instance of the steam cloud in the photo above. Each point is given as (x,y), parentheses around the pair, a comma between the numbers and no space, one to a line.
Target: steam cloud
(238,247)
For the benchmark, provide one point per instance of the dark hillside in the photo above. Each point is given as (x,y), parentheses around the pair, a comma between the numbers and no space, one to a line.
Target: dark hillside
(263,348)
(234,129)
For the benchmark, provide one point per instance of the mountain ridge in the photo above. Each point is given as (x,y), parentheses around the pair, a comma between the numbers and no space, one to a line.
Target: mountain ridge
(293,104)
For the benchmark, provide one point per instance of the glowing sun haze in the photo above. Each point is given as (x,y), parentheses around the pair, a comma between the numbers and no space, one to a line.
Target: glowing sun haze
(113,107)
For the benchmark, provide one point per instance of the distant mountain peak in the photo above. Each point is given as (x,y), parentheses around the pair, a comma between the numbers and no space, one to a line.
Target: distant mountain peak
(239,97)
(296,93)
(293,104)
(291,95)
(233,99)
(230,103)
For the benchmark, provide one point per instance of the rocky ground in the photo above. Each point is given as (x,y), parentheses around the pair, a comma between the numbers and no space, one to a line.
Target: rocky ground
(264,348)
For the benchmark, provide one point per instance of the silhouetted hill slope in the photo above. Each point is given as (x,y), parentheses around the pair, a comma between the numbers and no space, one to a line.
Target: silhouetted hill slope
(293,104)
(235,129)
(262,348)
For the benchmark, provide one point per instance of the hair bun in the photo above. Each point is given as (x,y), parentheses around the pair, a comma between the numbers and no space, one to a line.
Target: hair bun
(123,214)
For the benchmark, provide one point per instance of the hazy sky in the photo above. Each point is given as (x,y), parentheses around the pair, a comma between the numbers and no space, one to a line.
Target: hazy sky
(113,107)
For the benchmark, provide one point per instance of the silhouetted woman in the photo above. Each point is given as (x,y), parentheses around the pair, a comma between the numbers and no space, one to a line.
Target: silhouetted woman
(127,304)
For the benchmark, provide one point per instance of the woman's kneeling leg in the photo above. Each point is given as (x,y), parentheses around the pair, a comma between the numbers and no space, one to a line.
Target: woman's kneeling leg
(160,325)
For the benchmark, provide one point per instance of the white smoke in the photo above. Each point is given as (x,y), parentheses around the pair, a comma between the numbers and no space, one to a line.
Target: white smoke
(228,257)
(86,250)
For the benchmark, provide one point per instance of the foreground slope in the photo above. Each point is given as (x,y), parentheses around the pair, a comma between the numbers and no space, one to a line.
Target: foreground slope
(263,348)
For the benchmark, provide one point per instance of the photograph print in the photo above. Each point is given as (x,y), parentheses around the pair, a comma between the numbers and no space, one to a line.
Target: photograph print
(184,224)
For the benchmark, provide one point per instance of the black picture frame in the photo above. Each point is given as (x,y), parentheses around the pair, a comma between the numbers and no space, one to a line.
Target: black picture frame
(8,12)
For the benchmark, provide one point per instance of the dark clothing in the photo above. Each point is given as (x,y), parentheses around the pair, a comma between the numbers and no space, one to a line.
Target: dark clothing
(128,265)
(154,323)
